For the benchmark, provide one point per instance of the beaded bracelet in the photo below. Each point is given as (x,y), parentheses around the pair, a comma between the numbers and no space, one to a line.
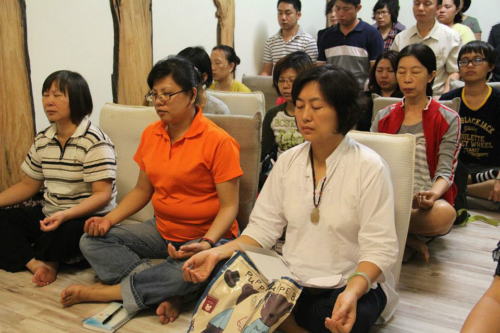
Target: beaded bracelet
(363,275)
(208,240)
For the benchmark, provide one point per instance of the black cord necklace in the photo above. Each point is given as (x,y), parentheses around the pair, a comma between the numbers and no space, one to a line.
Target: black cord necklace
(315,212)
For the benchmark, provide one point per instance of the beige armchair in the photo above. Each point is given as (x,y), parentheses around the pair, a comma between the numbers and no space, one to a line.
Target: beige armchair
(241,103)
(398,151)
(263,84)
(124,124)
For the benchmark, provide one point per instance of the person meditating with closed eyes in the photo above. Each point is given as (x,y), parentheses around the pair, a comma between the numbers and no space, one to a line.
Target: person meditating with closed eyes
(189,169)
(335,198)
(76,163)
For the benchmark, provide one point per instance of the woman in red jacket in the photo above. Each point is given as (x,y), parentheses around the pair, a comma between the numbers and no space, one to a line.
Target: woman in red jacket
(437,131)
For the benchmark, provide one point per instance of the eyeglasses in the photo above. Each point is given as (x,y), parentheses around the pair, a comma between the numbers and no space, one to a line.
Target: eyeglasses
(381,13)
(152,97)
(475,62)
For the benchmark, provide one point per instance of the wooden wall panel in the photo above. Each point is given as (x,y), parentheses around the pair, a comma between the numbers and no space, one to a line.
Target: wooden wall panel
(226,16)
(16,102)
(133,53)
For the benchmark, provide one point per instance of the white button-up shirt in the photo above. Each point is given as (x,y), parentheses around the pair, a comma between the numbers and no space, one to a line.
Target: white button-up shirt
(356,215)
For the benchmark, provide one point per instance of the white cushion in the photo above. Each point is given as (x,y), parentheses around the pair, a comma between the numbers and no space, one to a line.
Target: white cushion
(380,103)
(124,124)
(455,84)
(398,151)
(241,103)
(263,84)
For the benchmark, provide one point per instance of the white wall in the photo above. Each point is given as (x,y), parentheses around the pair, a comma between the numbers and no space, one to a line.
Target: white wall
(75,35)
(179,24)
(78,35)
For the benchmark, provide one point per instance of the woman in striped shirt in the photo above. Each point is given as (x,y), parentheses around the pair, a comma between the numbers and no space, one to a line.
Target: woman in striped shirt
(76,162)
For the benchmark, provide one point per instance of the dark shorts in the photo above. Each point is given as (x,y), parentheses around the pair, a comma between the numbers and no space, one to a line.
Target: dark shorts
(315,305)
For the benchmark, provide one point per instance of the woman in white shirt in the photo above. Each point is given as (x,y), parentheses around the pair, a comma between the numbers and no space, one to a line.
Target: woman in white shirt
(335,198)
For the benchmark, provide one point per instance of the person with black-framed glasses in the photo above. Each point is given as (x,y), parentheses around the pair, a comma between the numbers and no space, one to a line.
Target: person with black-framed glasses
(480,119)
(189,169)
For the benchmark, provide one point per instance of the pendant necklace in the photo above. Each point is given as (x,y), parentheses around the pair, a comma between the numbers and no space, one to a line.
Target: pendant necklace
(315,211)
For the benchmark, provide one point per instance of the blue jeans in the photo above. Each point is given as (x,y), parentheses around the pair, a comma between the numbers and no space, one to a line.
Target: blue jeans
(123,256)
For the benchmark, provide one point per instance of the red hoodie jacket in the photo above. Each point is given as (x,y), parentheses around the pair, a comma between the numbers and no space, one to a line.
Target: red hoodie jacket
(442,133)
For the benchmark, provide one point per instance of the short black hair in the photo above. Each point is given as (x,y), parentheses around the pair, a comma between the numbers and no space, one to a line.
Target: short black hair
(201,60)
(458,15)
(74,86)
(231,56)
(476,46)
(298,61)
(373,85)
(295,3)
(182,70)
(329,7)
(392,6)
(339,88)
(356,3)
(425,55)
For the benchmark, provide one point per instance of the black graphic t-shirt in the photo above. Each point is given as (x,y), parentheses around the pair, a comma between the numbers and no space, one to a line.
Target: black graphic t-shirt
(480,130)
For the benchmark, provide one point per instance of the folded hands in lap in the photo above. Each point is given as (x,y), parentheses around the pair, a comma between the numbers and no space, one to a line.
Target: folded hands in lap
(199,267)
(187,251)
(97,226)
(344,313)
(53,222)
(424,200)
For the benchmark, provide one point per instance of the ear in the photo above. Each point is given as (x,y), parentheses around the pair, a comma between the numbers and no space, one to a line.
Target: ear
(358,8)
(431,76)
(231,65)
(299,14)
(195,91)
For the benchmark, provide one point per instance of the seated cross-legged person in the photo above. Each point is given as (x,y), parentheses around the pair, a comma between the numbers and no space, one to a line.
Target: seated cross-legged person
(436,129)
(480,118)
(189,169)
(279,130)
(323,192)
(77,163)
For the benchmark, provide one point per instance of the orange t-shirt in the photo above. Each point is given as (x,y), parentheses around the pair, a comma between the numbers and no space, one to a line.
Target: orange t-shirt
(184,175)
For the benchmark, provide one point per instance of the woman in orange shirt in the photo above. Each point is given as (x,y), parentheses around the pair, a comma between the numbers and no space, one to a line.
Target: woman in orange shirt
(189,169)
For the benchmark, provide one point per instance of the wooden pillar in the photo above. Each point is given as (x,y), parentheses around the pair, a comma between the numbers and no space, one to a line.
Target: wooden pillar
(16,101)
(133,50)
(225,26)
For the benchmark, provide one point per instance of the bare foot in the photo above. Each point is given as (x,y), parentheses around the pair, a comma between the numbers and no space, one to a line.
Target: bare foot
(418,245)
(77,293)
(44,273)
(169,309)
